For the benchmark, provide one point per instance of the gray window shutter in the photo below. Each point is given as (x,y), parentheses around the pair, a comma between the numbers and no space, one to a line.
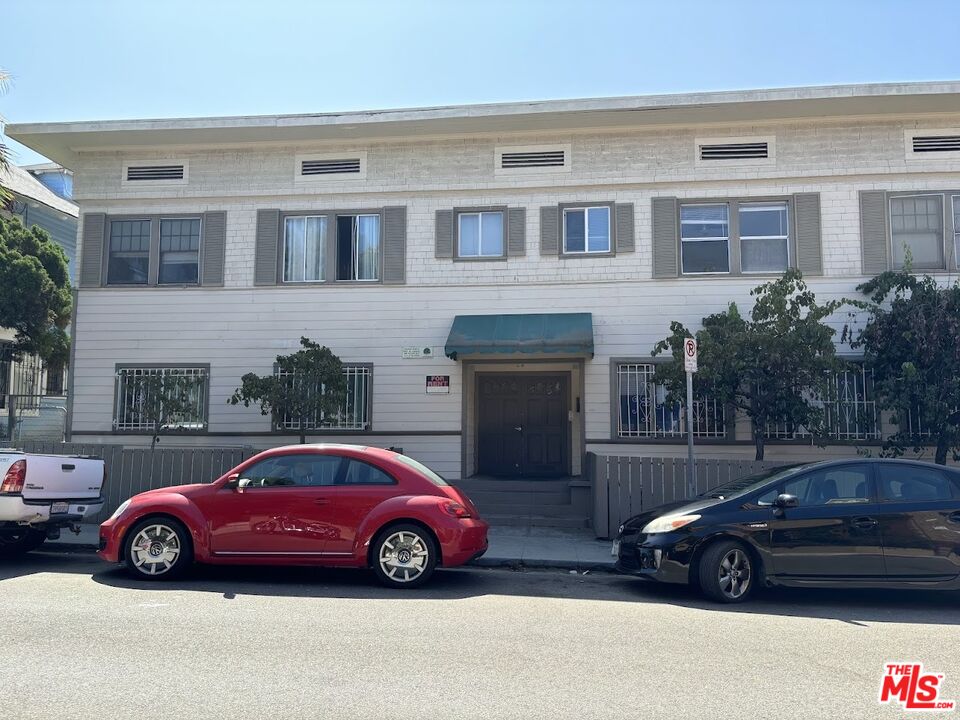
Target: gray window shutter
(873,231)
(394,245)
(214,246)
(267,247)
(666,238)
(806,208)
(516,232)
(623,212)
(91,249)
(443,240)
(550,230)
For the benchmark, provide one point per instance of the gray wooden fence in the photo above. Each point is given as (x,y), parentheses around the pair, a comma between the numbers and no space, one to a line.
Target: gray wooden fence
(133,470)
(627,486)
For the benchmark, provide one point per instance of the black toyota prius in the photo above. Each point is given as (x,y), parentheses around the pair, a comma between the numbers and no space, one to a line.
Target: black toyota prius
(846,523)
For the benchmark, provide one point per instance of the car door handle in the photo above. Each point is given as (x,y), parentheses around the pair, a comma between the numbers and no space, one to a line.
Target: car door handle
(865,523)
(322,501)
(519,429)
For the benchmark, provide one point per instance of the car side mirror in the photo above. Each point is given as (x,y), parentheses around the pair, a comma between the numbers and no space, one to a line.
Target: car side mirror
(785,500)
(233,482)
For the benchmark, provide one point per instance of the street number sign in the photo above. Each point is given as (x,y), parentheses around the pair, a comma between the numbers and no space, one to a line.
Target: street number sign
(690,355)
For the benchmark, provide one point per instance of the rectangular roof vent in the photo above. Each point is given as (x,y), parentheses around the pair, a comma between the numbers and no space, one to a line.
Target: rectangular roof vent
(936,143)
(735,151)
(548,158)
(330,167)
(152,173)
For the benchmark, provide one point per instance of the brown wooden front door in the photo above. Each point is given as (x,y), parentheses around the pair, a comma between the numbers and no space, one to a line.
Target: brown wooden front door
(522,425)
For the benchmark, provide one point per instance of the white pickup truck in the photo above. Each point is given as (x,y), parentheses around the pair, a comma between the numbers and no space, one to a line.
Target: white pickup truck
(40,494)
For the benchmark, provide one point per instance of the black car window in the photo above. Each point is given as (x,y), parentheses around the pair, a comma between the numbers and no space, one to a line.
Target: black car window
(361,473)
(909,483)
(847,484)
(292,471)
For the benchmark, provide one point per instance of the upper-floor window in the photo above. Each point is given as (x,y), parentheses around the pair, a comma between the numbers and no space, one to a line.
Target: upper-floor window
(586,230)
(916,230)
(128,261)
(480,234)
(643,409)
(756,232)
(358,247)
(955,200)
(304,238)
(179,251)
(171,398)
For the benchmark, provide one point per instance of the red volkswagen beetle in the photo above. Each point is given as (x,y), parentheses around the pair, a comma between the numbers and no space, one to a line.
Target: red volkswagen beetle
(329,505)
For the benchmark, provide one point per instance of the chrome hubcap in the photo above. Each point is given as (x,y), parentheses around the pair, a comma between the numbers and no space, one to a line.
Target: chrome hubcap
(403,556)
(155,549)
(734,574)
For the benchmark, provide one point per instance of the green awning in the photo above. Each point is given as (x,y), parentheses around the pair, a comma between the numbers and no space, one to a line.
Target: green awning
(551,333)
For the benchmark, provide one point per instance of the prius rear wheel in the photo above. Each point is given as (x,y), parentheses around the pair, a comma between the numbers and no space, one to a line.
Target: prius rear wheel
(404,556)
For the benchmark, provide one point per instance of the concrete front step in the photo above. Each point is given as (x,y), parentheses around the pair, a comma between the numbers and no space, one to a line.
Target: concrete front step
(536,521)
(517,508)
(488,497)
(492,485)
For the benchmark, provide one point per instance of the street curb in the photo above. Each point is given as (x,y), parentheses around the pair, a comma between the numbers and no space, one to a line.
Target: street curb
(540,564)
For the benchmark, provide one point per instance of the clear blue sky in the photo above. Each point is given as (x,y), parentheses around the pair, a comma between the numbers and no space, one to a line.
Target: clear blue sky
(113,59)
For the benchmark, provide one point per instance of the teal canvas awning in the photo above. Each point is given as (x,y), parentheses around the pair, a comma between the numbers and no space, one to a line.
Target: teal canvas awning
(550,333)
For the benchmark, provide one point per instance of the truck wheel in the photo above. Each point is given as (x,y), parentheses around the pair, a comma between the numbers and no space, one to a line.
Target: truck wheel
(158,548)
(14,543)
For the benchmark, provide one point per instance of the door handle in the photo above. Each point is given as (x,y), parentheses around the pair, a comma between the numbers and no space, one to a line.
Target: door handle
(865,523)
(322,501)
(519,429)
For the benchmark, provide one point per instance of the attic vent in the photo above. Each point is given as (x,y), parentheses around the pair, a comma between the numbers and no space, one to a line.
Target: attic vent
(735,151)
(936,143)
(547,158)
(154,172)
(330,167)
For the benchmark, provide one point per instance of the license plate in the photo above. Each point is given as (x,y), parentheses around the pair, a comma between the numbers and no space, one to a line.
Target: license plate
(58,508)
(615,550)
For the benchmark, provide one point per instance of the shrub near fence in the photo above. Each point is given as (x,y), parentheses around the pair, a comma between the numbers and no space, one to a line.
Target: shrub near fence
(134,470)
(626,486)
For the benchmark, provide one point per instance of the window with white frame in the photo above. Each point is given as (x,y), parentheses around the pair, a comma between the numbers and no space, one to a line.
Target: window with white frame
(705,238)
(304,239)
(644,411)
(179,251)
(358,247)
(764,237)
(586,230)
(355,414)
(480,234)
(173,397)
(916,228)
(850,409)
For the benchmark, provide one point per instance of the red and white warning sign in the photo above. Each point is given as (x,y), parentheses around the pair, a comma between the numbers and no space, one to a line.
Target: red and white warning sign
(690,355)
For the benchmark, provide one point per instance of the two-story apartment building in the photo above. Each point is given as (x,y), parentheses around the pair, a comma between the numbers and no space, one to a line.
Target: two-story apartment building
(494,276)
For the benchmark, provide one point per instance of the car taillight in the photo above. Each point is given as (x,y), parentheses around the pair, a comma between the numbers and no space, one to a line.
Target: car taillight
(456,509)
(13,480)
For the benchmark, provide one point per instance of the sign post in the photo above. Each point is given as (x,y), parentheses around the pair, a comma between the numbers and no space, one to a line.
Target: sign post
(690,365)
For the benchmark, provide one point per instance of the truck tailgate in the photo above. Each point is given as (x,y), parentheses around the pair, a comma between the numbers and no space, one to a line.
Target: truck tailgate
(57,477)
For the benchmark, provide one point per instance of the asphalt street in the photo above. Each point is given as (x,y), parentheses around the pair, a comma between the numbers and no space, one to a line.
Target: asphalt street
(81,640)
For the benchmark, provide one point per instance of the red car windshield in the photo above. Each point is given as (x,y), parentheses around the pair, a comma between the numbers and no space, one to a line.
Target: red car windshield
(423,470)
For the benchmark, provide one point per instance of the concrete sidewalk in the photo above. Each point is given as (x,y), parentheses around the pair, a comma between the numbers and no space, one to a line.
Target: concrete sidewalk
(533,547)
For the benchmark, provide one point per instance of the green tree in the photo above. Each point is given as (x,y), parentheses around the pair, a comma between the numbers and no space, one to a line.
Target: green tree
(911,344)
(768,366)
(35,293)
(165,400)
(310,388)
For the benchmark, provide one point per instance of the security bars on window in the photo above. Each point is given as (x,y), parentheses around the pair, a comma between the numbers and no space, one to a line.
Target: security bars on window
(644,411)
(355,414)
(131,410)
(850,413)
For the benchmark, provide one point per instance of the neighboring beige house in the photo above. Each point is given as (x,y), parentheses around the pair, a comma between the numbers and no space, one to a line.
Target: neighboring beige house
(210,245)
